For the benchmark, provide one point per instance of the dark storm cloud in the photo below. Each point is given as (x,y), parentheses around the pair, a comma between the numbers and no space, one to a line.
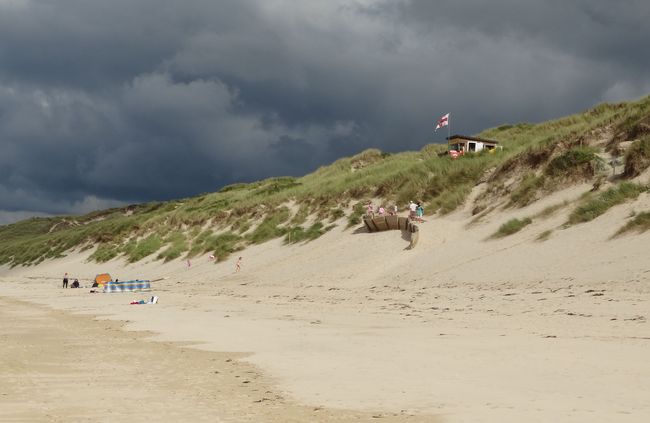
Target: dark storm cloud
(106,103)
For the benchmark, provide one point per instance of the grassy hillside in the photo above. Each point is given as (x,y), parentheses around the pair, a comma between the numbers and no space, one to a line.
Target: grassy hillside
(535,160)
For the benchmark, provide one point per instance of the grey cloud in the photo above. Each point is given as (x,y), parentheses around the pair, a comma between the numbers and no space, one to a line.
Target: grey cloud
(135,100)
(7,217)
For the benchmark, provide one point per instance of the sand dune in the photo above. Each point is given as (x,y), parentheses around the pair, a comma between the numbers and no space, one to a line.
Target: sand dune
(459,329)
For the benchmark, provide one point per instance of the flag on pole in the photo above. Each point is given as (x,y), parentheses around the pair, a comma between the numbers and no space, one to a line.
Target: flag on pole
(443,121)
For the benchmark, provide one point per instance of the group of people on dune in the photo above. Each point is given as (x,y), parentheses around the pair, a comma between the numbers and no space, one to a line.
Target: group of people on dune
(416,211)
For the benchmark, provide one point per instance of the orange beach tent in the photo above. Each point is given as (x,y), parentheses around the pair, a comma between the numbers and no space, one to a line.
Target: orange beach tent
(101,279)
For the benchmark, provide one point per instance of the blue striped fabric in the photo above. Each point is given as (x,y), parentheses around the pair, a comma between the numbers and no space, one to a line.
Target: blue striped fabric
(124,286)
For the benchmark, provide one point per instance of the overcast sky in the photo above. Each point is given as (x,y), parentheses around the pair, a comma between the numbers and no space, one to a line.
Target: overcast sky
(111,102)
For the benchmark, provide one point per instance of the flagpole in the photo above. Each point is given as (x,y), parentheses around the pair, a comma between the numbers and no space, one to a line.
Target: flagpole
(448,129)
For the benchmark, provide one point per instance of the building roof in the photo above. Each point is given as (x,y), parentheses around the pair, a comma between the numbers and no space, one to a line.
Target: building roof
(468,138)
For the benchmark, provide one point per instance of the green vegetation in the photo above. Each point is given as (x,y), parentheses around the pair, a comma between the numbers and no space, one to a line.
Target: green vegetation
(358,210)
(136,251)
(527,190)
(178,245)
(269,228)
(301,215)
(594,206)
(241,226)
(336,214)
(535,156)
(550,210)
(200,243)
(640,223)
(222,245)
(544,236)
(512,226)
(579,162)
(637,158)
(105,252)
(299,234)
(449,200)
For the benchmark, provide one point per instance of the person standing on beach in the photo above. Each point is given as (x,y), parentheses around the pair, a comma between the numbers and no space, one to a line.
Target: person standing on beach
(412,210)
(238,265)
(65,280)
(420,212)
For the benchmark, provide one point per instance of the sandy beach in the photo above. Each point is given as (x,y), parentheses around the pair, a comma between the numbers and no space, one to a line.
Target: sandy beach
(324,211)
(350,327)
(59,367)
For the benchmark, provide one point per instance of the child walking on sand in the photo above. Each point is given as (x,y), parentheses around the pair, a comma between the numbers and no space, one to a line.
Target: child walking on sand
(238,265)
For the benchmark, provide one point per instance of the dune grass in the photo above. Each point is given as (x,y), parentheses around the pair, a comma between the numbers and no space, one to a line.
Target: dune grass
(252,213)
(269,228)
(577,162)
(358,211)
(637,157)
(640,223)
(527,190)
(223,245)
(177,246)
(511,227)
(544,236)
(299,234)
(105,252)
(595,205)
(551,210)
(137,250)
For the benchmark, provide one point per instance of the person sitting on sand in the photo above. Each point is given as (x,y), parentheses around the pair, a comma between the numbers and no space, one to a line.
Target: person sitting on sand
(75,284)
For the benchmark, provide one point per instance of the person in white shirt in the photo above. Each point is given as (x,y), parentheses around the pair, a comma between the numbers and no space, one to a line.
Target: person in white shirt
(412,209)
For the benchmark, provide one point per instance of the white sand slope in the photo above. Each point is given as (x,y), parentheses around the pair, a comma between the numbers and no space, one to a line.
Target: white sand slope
(472,329)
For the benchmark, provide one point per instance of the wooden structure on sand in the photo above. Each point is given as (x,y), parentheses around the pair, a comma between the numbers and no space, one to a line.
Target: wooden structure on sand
(385,223)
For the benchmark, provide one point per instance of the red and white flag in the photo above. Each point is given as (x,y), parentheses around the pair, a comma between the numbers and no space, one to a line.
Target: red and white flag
(443,121)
